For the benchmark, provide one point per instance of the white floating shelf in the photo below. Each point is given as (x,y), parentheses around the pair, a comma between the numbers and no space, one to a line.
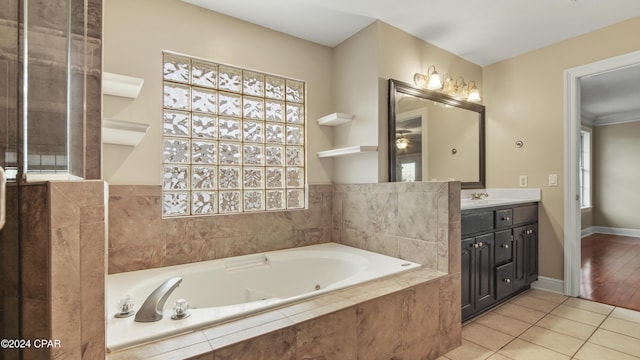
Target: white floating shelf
(123,132)
(347,151)
(121,85)
(335,119)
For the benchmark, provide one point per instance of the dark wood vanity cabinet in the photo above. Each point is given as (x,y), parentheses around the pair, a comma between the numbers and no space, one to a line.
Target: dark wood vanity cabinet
(499,254)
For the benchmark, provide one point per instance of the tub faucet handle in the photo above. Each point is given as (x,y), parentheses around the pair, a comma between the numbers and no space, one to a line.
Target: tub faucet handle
(125,307)
(181,309)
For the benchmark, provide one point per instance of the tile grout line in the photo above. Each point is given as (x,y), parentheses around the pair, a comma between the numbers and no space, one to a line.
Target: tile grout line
(546,313)
(607,347)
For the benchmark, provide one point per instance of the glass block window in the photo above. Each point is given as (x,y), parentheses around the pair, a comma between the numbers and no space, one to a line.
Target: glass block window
(233,139)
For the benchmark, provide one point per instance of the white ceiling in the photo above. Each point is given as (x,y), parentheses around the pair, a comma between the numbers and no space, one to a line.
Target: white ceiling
(480,31)
(612,97)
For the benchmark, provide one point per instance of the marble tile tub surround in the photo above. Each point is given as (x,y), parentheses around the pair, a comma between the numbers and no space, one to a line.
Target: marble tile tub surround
(417,221)
(63,247)
(414,315)
(140,239)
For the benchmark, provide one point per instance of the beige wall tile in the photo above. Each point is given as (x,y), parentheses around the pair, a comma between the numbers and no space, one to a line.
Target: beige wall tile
(277,345)
(163,242)
(379,326)
(338,339)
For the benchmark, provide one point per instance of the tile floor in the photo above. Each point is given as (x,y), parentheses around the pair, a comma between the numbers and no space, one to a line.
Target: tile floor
(543,325)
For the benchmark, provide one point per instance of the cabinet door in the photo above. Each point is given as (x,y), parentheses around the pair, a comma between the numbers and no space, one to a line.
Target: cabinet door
(468,303)
(532,253)
(519,257)
(485,264)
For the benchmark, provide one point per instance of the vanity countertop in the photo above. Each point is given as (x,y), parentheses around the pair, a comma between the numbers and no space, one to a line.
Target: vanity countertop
(498,197)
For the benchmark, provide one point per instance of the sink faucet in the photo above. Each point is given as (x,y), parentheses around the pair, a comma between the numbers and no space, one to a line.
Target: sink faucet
(151,309)
(478,196)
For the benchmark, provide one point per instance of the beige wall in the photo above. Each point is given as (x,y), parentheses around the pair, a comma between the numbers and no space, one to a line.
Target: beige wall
(355,91)
(133,40)
(401,56)
(616,201)
(524,100)
(362,66)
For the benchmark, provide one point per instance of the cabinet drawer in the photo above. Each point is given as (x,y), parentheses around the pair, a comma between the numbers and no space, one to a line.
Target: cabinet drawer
(476,222)
(503,246)
(504,280)
(525,214)
(504,218)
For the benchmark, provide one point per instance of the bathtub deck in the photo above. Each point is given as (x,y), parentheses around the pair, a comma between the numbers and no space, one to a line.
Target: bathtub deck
(211,339)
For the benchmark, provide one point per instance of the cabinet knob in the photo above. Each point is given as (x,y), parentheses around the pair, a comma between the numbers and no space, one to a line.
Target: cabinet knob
(475,245)
(506,246)
(507,280)
(480,244)
(506,218)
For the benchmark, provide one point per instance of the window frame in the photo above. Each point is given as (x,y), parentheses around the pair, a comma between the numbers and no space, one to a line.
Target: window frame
(586,172)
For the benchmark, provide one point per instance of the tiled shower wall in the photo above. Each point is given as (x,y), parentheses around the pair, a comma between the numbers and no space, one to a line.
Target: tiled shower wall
(63,256)
(140,239)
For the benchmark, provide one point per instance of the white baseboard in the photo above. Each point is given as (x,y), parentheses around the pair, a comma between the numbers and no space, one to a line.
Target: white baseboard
(610,231)
(586,232)
(549,284)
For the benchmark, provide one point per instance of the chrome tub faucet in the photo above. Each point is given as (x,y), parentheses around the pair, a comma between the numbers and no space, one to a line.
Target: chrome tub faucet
(151,309)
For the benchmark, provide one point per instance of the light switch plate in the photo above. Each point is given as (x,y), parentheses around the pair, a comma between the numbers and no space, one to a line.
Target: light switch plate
(553,179)
(523,181)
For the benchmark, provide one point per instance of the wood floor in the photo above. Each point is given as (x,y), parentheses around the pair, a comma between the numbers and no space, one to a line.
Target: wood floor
(610,271)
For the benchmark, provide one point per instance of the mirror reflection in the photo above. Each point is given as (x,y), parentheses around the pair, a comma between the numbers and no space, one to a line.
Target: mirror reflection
(434,137)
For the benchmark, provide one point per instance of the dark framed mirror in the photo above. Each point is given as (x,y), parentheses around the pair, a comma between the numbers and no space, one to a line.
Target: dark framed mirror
(434,136)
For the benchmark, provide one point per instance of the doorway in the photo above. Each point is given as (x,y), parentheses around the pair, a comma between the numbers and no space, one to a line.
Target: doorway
(572,127)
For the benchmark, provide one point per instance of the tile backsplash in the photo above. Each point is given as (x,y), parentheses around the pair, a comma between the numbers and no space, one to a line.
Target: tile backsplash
(418,221)
(140,239)
(414,221)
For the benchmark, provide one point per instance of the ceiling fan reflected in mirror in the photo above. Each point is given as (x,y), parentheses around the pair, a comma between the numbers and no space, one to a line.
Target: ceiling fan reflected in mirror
(402,142)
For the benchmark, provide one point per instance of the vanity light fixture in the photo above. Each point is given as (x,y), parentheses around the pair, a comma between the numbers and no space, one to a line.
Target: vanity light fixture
(431,80)
(474,93)
(458,88)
